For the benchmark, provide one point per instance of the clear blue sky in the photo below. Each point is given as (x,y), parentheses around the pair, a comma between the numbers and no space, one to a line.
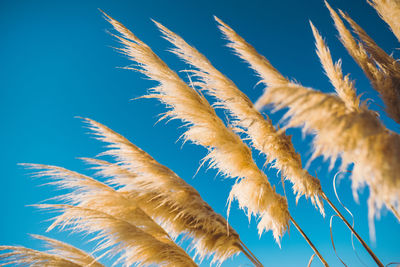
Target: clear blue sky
(57,62)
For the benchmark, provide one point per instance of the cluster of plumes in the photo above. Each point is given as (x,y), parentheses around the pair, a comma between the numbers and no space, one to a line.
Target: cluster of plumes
(120,227)
(264,137)
(343,126)
(381,69)
(135,215)
(344,87)
(164,196)
(227,152)
(57,254)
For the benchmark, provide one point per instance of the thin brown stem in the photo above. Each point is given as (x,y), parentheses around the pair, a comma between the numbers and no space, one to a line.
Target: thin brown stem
(353,231)
(396,214)
(309,242)
(256,263)
(246,248)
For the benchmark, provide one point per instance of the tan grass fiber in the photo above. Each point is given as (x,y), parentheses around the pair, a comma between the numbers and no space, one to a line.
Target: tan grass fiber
(121,226)
(58,254)
(227,152)
(162,194)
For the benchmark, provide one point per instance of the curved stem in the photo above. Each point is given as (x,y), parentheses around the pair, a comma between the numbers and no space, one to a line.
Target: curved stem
(309,242)
(353,231)
(254,257)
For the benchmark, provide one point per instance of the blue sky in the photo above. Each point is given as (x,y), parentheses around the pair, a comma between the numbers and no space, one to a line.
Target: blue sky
(57,62)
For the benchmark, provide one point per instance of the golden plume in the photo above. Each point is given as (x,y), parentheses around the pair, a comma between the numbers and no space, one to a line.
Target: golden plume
(227,152)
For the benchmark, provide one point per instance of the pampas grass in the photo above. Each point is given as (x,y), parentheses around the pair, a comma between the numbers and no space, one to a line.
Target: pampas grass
(138,209)
(381,69)
(163,195)
(265,138)
(389,10)
(137,241)
(359,136)
(344,87)
(20,256)
(68,251)
(227,152)
(121,225)
(58,254)
(147,192)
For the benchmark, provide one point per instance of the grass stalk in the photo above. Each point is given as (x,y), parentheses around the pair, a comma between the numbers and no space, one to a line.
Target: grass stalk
(395,213)
(253,260)
(353,231)
(309,242)
(250,254)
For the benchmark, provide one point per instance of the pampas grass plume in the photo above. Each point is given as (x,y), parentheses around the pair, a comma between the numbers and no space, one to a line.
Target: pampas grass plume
(58,254)
(162,194)
(265,138)
(121,225)
(227,152)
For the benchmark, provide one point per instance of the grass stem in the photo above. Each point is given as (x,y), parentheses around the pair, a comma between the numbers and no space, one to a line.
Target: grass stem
(353,231)
(244,248)
(256,263)
(309,242)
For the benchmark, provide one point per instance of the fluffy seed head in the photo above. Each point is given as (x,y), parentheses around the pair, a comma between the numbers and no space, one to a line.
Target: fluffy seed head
(359,137)
(227,152)
(58,254)
(162,194)
(381,69)
(120,224)
(265,138)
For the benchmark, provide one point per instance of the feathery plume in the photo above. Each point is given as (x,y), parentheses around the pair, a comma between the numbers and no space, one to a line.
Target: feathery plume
(269,75)
(344,87)
(94,196)
(380,68)
(265,138)
(130,242)
(355,49)
(380,57)
(356,133)
(226,150)
(356,136)
(166,197)
(68,251)
(21,256)
(59,254)
(90,193)
(389,11)
(388,85)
